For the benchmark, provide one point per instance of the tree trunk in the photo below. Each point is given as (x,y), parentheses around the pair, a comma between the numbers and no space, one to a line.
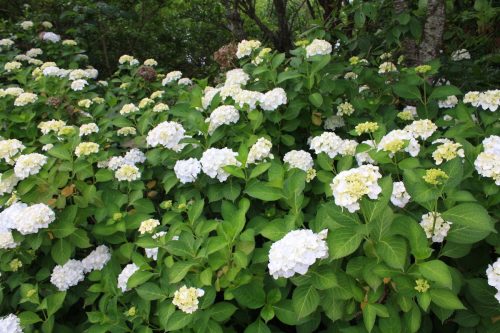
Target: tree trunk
(410,48)
(235,23)
(433,31)
(283,36)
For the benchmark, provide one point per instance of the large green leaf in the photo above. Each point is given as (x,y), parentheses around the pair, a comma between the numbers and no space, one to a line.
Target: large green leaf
(305,300)
(470,223)
(393,251)
(343,241)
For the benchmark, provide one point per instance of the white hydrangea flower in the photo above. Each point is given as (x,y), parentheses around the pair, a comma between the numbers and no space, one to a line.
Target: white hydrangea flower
(487,100)
(345,109)
(13,91)
(387,67)
(7,240)
(77,74)
(6,42)
(395,141)
(26,25)
(128,173)
(67,275)
(435,226)
(491,144)
(299,159)
(160,107)
(493,275)
(167,134)
(447,150)
(247,97)
(134,156)
(272,99)
(9,215)
(185,82)
(348,148)
(459,55)
(150,62)
(296,252)
(125,131)
(236,77)
(52,125)
(87,129)
(350,76)
(128,108)
(245,48)
(231,90)
(153,252)
(9,149)
(86,148)
(421,128)
(47,24)
(448,103)
(399,196)
(208,95)
(171,77)
(259,151)
(318,47)
(25,98)
(148,226)
(333,122)
(223,115)
(125,275)
(92,73)
(213,160)
(51,37)
(33,218)
(364,157)
(69,42)
(126,58)
(97,259)
(487,163)
(187,170)
(29,164)
(12,66)
(328,143)
(11,324)
(78,85)
(349,186)
(186,299)
(7,184)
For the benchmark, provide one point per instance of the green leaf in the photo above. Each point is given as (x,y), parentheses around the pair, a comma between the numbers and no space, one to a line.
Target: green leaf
(406,91)
(61,152)
(178,320)
(150,291)
(442,92)
(250,295)
(257,326)
(55,302)
(323,278)
(61,251)
(138,278)
(316,99)
(277,60)
(178,271)
(393,251)
(305,300)
(222,311)
(369,316)
(262,191)
(445,299)
(29,318)
(288,75)
(470,223)
(259,169)
(343,241)
(64,226)
(437,271)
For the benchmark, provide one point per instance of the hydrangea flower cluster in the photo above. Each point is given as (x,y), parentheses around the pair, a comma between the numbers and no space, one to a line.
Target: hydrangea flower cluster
(9,149)
(214,160)
(246,47)
(223,115)
(153,252)
(30,164)
(299,159)
(171,77)
(331,144)
(435,226)
(448,103)
(147,226)
(447,150)
(318,47)
(350,185)
(259,151)
(86,148)
(493,274)
(167,134)
(125,275)
(271,100)
(487,162)
(187,170)
(487,100)
(186,299)
(397,140)
(422,129)
(296,252)
(11,324)
(399,196)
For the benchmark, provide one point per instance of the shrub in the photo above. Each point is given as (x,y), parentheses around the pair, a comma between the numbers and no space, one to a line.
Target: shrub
(309,191)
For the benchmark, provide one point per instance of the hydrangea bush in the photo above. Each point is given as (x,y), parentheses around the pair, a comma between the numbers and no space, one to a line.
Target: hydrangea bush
(319,191)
